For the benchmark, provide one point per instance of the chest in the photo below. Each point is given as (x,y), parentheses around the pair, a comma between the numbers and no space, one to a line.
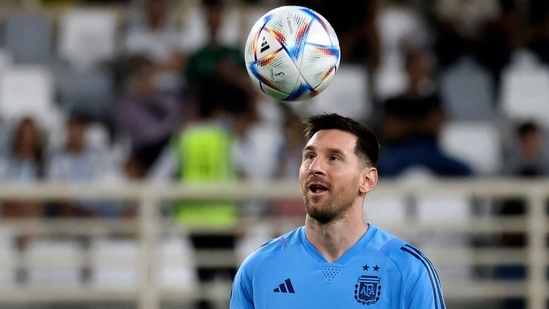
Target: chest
(365,282)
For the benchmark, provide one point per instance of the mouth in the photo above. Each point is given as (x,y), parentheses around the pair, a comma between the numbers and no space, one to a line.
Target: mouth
(317,189)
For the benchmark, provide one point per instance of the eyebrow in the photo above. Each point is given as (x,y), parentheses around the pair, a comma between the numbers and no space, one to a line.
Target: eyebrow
(330,150)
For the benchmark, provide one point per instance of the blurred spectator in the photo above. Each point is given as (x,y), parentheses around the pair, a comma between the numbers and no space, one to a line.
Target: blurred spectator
(147,115)
(204,151)
(538,22)
(24,164)
(289,161)
(219,64)
(528,159)
(152,34)
(356,26)
(457,24)
(411,125)
(500,37)
(75,161)
(291,147)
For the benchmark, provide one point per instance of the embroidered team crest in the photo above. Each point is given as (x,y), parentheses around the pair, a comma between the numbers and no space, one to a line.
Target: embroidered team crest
(367,290)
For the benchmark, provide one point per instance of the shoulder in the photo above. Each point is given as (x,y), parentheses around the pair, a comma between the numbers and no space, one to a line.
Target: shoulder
(423,288)
(415,268)
(272,250)
(408,259)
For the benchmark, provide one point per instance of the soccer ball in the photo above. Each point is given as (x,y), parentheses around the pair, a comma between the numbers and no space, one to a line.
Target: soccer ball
(292,53)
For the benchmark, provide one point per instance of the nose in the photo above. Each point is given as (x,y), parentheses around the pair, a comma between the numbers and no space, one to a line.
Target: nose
(316,167)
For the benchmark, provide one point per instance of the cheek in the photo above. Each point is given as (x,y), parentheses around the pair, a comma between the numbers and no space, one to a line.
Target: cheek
(303,171)
(349,184)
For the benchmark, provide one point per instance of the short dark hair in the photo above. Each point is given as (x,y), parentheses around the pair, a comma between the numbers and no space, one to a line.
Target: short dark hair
(367,145)
(527,127)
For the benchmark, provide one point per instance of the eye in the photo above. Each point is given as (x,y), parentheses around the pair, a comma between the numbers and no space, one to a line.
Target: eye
(334,158)
(308,156)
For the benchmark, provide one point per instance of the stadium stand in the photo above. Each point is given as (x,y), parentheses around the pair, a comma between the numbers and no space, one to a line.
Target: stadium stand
(57,56)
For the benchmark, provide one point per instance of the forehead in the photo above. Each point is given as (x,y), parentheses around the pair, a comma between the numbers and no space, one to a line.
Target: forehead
(333,139)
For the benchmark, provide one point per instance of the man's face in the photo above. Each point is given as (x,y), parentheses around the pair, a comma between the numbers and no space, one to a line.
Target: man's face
(330,175)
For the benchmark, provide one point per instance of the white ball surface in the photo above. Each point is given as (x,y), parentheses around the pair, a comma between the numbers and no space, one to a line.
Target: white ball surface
(292,53)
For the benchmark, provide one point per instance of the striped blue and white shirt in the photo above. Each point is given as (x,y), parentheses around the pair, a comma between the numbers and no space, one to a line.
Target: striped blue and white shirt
(379,271)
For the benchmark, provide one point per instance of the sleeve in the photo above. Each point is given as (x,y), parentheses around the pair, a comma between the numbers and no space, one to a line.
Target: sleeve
(242,292)
(422,287)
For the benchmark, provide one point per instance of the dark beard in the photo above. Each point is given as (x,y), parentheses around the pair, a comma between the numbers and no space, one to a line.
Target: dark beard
(323,217)
(329,213)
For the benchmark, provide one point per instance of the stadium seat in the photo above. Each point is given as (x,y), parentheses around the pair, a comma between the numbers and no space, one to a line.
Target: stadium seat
(9,258)
(249,242)
(439,211)
(177,265)
(396,27)
(478,143)
(54,264)
(87,91)
(524,91)
(447,210)
(27,90)
(390,78)
(443,209)
(382,210)
(195,32)
(468,92)
(347,94)
(28,38)
(87,36)
(6,59)
(114,264)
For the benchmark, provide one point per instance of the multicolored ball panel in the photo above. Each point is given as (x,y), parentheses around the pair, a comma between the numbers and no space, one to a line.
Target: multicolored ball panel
(292,53)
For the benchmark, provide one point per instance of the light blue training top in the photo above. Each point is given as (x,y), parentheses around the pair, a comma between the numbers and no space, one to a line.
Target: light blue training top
(379,271)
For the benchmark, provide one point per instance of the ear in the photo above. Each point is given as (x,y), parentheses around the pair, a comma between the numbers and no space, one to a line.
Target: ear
(368,179)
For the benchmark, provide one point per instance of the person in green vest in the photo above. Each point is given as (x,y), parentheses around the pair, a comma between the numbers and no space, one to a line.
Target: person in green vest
(205,150)
(205,156)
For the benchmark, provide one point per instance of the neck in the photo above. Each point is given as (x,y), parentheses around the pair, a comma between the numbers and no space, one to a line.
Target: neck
(333,239)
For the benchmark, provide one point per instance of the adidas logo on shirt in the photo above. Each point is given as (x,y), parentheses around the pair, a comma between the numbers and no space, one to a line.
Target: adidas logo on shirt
(285,287)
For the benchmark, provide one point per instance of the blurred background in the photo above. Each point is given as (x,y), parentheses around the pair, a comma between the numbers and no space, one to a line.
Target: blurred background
(139,165)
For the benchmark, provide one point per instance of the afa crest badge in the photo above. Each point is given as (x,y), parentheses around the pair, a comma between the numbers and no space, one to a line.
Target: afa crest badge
(368,290)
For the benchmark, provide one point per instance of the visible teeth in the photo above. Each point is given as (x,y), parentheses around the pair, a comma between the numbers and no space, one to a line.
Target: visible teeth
(315,188)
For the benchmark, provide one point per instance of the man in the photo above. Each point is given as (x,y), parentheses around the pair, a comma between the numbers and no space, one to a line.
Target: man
(336,260)
(204,154)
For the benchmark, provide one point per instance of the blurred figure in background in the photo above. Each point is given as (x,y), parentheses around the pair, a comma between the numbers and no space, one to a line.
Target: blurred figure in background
(204,151)
(457,25)
(501,37)
(411,125)
(76,161)
(152,34)
(289,160)
(528,158)
(538,23)
(220,64)
(356,26)
(147,115)
(488,31)
(24,164)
